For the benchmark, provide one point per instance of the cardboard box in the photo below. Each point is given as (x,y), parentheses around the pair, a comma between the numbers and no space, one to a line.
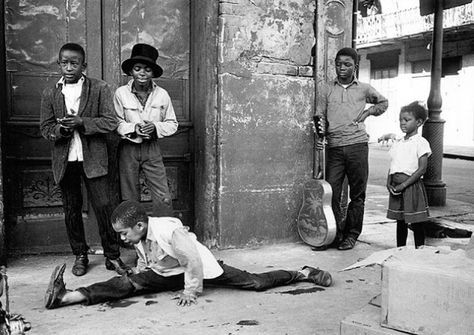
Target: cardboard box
(365,322)
(427,291)
(428,294)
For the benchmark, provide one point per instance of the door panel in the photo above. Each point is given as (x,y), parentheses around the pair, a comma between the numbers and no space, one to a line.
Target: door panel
(165,25)
(34,32)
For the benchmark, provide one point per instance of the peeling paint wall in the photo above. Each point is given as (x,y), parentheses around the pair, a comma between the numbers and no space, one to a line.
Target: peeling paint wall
(265,98)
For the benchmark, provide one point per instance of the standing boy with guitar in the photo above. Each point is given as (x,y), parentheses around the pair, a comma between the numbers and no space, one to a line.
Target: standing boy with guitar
(343,114)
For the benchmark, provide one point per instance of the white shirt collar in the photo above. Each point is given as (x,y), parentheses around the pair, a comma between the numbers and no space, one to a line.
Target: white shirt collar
(411,138)
(130,83)
(63,83)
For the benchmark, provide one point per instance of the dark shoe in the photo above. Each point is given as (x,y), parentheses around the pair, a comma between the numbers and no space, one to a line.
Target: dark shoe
(118,266)
(56,288)
(333,245)
(80,265)
(319,277)
(321,248)
(347,244)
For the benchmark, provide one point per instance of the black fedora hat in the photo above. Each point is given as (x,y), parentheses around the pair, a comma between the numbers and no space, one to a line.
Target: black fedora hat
(143,53)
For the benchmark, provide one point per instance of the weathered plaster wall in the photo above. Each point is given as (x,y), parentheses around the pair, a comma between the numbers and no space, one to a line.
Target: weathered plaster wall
(265,99)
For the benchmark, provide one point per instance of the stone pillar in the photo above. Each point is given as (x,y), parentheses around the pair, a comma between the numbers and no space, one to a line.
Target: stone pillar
(434,128)
(3,99)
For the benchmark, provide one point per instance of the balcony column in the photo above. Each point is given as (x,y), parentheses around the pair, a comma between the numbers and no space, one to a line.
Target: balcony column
(434,127)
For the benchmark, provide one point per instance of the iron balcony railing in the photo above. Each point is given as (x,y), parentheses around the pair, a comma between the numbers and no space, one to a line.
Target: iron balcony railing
(381,27)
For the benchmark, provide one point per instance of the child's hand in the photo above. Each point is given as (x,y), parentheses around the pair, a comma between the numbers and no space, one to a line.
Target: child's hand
(362,117)
(147,128)
(185,299)
(394,191)
(400,188)
(139,131)
(135,270)
(71,121)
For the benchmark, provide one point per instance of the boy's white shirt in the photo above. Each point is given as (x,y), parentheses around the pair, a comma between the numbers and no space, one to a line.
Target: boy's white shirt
(130,112)
(170,249)
(72,99)
(404,154)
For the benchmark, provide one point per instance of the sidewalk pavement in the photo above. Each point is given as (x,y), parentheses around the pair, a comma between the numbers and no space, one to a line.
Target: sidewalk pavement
(296,309)
(456,151)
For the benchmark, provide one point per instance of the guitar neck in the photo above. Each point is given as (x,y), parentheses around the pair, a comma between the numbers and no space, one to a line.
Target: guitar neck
(319,161)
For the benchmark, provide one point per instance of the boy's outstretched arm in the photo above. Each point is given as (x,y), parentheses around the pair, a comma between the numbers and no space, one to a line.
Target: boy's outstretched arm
(188,257)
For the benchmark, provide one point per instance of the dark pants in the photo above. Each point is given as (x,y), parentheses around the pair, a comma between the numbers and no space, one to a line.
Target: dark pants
(146,157)
(418,233)
(97,191)
(351,161)
(151,282)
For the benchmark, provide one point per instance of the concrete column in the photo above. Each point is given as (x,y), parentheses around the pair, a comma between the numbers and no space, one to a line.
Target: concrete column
(434,128)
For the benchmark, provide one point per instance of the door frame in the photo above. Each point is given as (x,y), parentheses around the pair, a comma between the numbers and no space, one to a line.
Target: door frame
(105,64)
(3,98)
(204,103)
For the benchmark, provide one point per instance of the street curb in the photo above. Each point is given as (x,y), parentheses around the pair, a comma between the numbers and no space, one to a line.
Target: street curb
(456,156)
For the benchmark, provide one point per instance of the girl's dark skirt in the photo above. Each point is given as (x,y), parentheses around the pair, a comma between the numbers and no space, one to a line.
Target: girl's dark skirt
(411,205)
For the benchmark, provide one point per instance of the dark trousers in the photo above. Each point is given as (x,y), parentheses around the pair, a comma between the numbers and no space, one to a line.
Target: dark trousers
(351,161)
(97,191)
(145,157)
(150,282)
(418,233)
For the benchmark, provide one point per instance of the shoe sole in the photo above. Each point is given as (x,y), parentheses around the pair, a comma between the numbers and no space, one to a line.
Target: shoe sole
(50,294)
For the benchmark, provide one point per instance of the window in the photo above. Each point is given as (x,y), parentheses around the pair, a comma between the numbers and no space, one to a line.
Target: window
(450,66)
(384,65)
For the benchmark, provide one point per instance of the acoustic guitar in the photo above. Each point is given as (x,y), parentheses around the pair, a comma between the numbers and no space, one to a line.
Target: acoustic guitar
(316,223)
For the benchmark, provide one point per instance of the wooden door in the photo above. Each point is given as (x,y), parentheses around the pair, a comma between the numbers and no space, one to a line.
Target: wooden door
(165,25)
(34,31)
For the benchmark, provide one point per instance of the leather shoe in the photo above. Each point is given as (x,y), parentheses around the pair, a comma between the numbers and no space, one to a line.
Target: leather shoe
(56,288)
(80,265)
(347,244)
(334,245)
(319,277)
(118,266)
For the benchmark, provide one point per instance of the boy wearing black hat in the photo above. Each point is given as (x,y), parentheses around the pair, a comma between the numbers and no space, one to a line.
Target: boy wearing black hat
(145,114)
(76,115)
(343,113)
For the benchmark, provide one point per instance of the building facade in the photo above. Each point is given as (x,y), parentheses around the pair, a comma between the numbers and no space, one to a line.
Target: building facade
(241,80)
(394,45)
